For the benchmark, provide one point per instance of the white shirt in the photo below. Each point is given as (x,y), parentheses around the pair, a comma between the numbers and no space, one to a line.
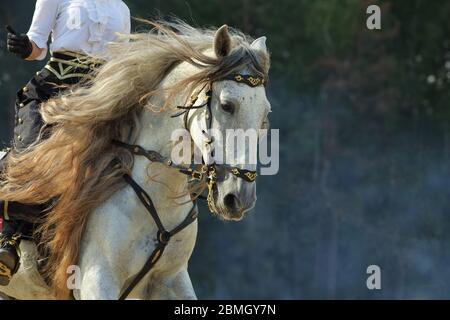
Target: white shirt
(84,26)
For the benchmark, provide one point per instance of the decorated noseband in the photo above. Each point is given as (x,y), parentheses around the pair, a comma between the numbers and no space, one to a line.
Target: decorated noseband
(247,175)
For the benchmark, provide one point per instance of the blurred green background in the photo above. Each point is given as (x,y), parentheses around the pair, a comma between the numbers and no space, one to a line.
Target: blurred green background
(365,146)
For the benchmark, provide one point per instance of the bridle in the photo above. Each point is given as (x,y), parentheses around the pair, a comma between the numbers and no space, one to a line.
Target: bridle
(209,172)
(199,173)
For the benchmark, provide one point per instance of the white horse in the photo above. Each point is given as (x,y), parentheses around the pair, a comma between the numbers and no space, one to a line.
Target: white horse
(120,234)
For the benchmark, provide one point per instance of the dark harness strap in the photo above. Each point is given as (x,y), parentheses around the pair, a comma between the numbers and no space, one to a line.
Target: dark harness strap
(194,171)
(163,236)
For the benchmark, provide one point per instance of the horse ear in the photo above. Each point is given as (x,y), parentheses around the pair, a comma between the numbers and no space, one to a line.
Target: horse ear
(222,42)
(260,44)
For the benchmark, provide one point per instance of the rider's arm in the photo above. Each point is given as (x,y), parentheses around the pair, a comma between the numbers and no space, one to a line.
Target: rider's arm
(44,20)
(37,53)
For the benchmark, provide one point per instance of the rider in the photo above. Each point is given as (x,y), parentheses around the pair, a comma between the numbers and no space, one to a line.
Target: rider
(79,29)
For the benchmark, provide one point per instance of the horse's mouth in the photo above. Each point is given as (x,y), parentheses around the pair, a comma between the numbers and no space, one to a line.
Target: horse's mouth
(227,206)
(227,213)
(229,216)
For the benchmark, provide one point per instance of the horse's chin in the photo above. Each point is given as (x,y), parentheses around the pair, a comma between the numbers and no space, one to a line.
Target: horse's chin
(227,215)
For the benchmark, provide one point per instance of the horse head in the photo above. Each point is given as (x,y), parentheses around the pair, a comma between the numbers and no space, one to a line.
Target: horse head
(226,132)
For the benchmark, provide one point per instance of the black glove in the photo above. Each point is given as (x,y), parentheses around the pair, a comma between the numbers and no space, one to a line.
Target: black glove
(18,44)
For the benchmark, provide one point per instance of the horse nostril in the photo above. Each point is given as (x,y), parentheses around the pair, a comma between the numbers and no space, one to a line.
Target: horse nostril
(231,202)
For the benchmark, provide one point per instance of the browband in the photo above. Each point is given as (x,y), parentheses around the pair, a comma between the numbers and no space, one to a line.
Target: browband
(252,81)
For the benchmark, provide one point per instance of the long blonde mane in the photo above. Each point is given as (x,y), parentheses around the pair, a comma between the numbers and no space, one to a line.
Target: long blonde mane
(71,169)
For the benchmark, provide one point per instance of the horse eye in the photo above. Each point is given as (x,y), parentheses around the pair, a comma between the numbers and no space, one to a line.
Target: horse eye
(227,107)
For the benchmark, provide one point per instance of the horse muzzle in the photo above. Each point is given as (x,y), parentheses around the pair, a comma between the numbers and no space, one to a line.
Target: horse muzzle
(235,197)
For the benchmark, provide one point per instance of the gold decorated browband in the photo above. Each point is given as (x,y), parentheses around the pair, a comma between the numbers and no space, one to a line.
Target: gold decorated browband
(252,81)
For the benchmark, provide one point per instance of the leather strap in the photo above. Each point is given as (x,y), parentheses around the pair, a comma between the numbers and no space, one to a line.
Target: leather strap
(163,236)
(5,210)
(153,156)
(146,201)
(194,171)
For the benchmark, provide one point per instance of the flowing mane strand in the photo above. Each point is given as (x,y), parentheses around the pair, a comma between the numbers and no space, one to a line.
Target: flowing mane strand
(72,167)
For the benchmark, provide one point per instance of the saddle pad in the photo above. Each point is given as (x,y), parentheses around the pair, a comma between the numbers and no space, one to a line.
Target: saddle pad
(2,154)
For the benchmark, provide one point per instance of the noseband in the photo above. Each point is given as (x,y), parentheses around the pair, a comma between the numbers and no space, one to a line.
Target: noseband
(203,173)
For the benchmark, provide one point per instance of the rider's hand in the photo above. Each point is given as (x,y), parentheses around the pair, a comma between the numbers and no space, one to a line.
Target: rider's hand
(18,44)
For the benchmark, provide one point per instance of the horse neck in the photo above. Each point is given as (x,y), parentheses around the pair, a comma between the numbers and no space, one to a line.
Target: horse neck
(156,130)
(157,127)
(155,133)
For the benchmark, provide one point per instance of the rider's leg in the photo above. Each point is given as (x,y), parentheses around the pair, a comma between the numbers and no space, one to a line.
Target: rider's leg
(9,250)
(28,127)
(11,234)
(26,131)
(9,254)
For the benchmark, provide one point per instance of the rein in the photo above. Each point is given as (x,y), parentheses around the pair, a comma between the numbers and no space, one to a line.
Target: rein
(205,173)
